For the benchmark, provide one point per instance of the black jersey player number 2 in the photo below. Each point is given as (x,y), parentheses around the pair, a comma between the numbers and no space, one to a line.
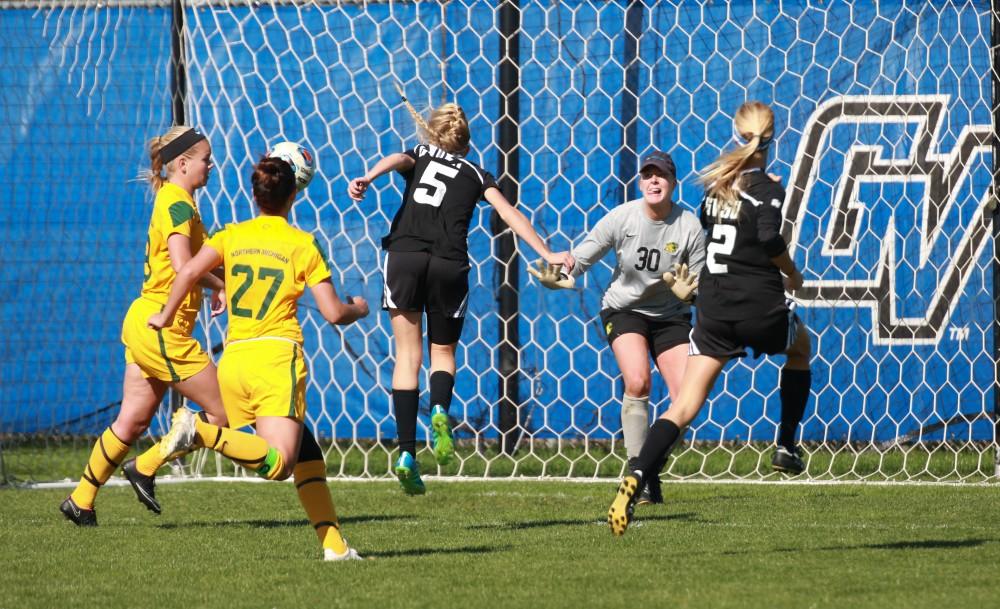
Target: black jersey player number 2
(723,240)
(429,178)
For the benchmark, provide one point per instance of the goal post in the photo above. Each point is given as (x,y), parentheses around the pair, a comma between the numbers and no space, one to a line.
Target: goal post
(886,142)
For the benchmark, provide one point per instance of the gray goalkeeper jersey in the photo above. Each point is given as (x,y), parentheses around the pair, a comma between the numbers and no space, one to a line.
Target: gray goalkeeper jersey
(645,249)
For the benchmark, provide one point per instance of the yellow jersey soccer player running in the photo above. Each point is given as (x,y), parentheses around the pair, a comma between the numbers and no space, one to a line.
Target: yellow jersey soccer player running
(157,360)
(263,370)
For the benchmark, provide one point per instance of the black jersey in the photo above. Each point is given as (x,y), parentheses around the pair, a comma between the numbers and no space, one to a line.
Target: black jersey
(442,191)
(739,281)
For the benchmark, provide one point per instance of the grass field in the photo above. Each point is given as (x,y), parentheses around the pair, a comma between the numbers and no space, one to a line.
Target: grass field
(510,544)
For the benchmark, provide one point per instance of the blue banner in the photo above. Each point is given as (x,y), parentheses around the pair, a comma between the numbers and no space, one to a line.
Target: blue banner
(883,116)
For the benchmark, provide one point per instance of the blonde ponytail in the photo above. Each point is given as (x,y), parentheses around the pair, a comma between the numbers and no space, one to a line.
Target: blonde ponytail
(447,128)
(754,124)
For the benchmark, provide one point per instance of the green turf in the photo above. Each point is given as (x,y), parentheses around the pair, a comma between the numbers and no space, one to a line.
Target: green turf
(510,545)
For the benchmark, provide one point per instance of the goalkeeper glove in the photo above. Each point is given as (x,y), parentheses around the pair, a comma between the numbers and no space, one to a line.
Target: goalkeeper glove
(681,282)
(551,276)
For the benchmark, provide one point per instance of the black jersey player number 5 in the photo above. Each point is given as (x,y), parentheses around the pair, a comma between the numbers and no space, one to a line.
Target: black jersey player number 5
(430,190)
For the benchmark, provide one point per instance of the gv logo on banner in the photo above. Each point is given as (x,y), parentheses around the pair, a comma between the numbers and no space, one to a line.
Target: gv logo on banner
(892,143)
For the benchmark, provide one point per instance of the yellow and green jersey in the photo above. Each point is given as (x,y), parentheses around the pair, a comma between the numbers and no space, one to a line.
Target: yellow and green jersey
(174,211)
(268,265)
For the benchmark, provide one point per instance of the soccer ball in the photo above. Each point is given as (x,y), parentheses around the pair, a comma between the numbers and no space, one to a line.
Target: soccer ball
(302,162)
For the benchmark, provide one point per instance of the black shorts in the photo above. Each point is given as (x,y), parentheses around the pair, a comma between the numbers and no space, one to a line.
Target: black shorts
(661,334)
(771,334)
(420,282)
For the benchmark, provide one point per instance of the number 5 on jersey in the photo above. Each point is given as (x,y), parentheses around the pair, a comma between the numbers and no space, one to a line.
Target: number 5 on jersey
(430,190)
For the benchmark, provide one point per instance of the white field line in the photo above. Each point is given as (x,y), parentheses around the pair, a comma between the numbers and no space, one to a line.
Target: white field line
(170,479)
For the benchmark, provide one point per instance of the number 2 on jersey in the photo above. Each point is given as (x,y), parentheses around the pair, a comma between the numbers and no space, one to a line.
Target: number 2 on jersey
(275,275)
(723,240)
(429,178)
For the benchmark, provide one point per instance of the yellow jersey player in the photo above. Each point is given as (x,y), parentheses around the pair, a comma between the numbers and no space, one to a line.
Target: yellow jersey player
(156,360)
(263,370)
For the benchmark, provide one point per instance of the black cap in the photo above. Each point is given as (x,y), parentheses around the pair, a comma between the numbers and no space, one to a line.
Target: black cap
(661,160)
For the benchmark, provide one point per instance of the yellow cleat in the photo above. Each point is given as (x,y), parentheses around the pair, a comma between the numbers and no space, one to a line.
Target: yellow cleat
(620,513)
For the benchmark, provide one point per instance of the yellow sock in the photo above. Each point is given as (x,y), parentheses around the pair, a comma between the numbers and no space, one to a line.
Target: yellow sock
(105,458)
(148,462)
(310,482)
(250,451)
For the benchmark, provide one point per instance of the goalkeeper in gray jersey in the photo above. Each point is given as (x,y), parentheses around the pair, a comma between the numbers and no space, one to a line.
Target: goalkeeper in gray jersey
(660,250)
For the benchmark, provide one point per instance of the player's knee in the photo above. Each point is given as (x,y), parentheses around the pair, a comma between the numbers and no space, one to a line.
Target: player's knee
(636,383)
(288,463)
(443,354)
(215,419)
(409,358)
(128,429)
(800,350)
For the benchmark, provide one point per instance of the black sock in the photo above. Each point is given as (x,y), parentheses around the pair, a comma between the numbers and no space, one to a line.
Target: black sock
(309,449)
(404,406)
(442,386)
(794,395)
(653,455)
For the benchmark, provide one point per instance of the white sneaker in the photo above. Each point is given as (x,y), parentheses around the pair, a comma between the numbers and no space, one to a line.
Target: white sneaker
(181,434)
(349,554)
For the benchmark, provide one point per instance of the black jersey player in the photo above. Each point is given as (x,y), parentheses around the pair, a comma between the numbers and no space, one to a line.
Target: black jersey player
(741,302)
(426,269)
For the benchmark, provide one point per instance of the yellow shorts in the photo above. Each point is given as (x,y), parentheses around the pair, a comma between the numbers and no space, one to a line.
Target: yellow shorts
(263,377)
(169,355)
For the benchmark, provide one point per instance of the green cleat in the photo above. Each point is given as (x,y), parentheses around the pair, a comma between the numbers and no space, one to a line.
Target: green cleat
(408,472)
(444,447)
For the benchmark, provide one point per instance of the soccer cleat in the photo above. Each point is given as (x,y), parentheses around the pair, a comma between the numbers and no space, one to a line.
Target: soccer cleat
(349,554)
(620,513)
(143,485)
(444,447)
(408,472)
(77,515)
(787,461)
(181,435)
(652,492)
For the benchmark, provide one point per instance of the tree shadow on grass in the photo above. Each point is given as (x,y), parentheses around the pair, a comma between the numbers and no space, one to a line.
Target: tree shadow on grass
(926,544)
(278,524)
(572,522)
(430,551)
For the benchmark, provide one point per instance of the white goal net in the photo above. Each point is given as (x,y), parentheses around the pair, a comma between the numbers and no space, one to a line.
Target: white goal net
(885,140)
